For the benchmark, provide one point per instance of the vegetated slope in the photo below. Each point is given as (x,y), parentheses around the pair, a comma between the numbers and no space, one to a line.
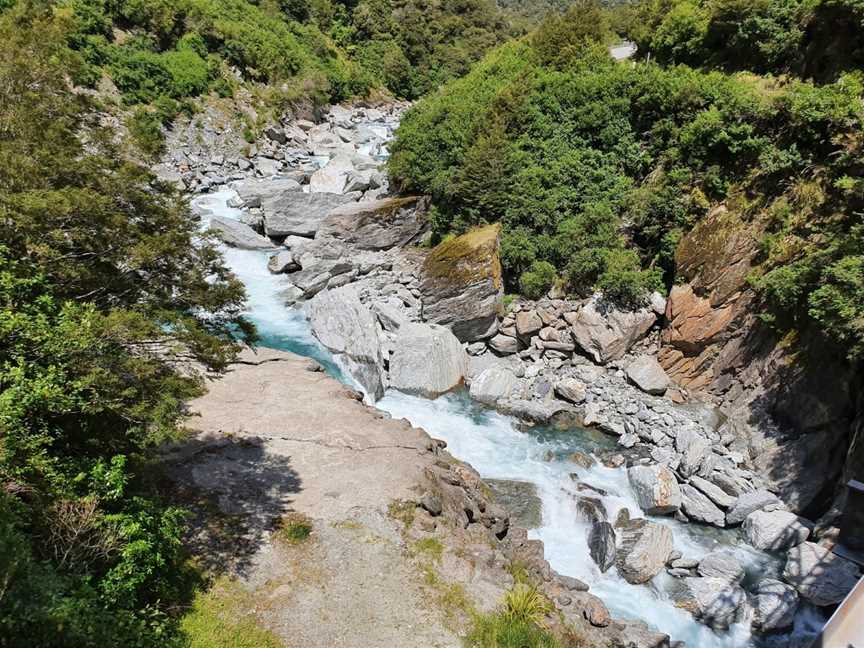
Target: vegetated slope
(162,54)
(103,290)
(596,169)
(818,39)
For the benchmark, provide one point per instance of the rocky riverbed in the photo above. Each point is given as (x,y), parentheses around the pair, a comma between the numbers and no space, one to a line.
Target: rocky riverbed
(313,202)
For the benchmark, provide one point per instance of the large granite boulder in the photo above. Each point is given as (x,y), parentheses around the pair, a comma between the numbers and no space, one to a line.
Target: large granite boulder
(347,327)
(333,176)
(643,550)
(774,530)
(462,286)
(493,384)
(427,360)
(239,235)
(820,576)
(716,602)
(656,489)
(774,605)
(300,214)
(749,502)
(647,374)
(252,193)
(699,507)
(721,564)
(605,331)
(377,224)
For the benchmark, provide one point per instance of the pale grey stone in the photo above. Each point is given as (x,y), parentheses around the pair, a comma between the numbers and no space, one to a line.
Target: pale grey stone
(236,234)
(749,502)
(647,374)
(656,489)
(774,530)
(427,360)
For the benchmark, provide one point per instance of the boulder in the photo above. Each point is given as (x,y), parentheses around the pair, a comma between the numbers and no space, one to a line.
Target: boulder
(820,576)
(605,331)
(594,611)
(332,177)
(601,544)
(721,564)
(236,234)
(493,384)
(749,502)
(656,489)
(427,360)
(643,549)
(282,261)
(300,214)
(647,374)
(698,507)
(571,390)
(377,224)
(461,284)
(774,530)
(347,327)
(692,447)
(713,492)
(528,323)
(253,193)
(716,602)
(504,345)
(774,605)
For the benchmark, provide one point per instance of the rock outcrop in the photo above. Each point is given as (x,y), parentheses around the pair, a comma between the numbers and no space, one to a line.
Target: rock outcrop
(791,400)
(462,286)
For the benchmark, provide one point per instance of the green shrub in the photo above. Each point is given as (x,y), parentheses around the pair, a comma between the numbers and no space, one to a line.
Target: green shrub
(537,281)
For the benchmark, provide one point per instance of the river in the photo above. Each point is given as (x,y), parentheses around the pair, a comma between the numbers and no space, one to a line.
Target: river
(497,448)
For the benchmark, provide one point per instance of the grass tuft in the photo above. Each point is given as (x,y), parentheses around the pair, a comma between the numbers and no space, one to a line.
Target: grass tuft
(293,528)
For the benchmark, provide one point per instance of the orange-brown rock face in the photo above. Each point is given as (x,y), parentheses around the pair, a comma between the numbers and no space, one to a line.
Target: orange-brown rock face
(706,315)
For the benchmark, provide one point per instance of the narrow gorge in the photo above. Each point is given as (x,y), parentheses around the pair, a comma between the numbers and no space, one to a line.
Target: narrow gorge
(624,440)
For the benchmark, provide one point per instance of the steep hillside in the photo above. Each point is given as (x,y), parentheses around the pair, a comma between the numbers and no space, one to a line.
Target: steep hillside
(624,177)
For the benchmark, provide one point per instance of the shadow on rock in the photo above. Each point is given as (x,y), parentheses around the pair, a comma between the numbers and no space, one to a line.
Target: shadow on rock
(237,492)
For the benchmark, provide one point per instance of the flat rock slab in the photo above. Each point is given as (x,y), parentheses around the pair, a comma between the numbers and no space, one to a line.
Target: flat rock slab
(299,214)
(274,437)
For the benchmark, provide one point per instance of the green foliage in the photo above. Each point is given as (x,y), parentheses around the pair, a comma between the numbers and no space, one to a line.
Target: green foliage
(517,624)
(819,39)
(537,281)
(221,618)
(105,287)
(293,528)
(599,168)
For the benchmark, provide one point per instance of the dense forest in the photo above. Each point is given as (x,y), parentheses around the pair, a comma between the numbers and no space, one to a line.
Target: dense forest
(597,168)
(112,304)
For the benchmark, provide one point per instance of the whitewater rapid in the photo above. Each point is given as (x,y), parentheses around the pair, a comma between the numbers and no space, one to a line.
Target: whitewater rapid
(494,445)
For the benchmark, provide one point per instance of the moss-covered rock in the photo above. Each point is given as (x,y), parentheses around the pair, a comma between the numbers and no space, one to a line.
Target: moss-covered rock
(462,286)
